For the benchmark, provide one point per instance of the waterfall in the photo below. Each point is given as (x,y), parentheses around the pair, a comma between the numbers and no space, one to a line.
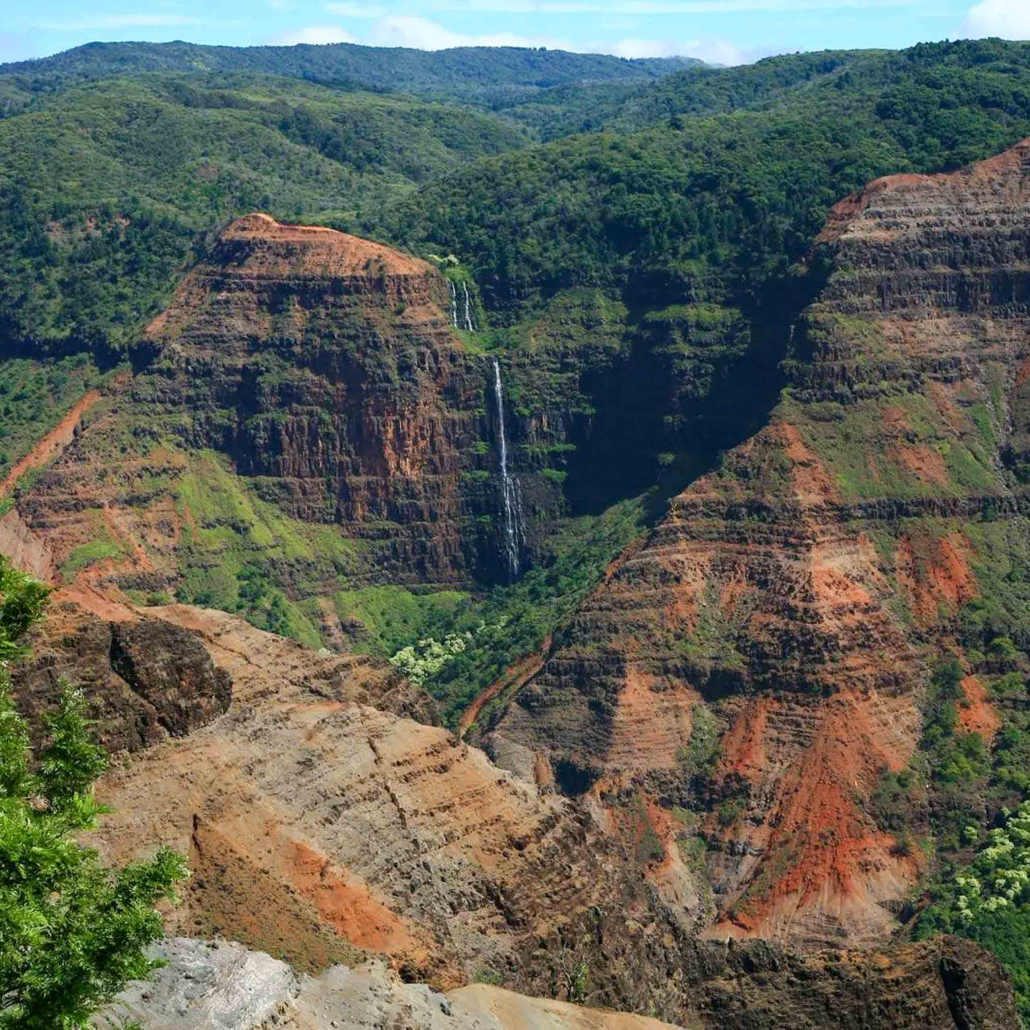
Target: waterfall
(469,324)
(468,318)
(511,492)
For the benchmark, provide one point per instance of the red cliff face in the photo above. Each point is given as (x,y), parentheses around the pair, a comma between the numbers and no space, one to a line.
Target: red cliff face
(327,363)
(323,369)
(742,676)
(326,820)
(760,662)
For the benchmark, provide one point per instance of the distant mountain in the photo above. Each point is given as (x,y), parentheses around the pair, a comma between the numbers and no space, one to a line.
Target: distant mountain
(463,72)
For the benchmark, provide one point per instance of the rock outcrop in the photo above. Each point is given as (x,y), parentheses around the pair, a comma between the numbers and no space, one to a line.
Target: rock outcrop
(225,986)
(217,984)
(145,680)
(326,365)
(759,662)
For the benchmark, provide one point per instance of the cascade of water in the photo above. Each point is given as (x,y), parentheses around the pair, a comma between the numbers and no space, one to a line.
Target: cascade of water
(511,492)
(469,324)
(454,303)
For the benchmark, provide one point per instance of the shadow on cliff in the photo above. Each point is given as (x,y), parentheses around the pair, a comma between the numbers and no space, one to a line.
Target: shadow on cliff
(646,440)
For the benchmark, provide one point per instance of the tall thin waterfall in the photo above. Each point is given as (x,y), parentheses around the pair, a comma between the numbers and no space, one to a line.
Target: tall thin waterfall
(470,325)
(511,493)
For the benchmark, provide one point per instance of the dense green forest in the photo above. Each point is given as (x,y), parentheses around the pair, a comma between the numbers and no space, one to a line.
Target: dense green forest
(723,189)
(104,187)
(487,76)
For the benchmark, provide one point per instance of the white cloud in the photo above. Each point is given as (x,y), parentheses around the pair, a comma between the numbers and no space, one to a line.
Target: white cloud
(423,34)
(1009,19)
(352,10)
(714,51)
(317,35)
(412,30)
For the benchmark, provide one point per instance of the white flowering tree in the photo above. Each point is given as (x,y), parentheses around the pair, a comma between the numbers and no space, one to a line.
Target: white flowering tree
(1000,874)
(425,659)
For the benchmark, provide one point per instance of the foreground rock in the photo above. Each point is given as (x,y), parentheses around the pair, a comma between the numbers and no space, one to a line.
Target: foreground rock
(210,985)
(224,986)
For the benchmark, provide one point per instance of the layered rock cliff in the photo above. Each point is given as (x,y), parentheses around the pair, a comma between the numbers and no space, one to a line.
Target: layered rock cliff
(324,824)
(208,983)
(305,374)
(749,674)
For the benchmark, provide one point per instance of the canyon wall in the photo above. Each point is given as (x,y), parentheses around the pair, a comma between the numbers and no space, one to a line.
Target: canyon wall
(747,676)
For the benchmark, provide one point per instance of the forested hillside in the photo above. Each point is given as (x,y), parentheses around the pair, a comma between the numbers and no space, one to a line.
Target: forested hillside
(104,187)
(736,179)
(488,76)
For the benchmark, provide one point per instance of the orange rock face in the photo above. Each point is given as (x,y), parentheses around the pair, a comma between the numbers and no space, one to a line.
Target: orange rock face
(320,368)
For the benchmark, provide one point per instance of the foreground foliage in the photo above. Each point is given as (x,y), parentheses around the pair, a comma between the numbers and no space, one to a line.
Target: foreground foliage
(72,934)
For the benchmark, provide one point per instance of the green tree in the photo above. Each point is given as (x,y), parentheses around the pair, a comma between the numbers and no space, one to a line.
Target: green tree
(72,933)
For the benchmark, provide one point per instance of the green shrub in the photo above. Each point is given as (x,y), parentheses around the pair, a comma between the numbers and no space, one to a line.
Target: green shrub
(73,933)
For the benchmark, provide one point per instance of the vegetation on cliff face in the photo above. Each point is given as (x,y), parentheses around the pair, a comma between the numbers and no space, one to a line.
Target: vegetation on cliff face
(34,395)
(72,933)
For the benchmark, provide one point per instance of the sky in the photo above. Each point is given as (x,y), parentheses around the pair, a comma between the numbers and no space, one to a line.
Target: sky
(719,31)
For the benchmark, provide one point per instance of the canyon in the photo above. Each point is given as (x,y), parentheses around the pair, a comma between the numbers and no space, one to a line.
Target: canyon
(678,794)
(792,599)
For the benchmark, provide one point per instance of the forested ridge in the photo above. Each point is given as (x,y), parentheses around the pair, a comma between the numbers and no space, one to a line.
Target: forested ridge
(734,174)
(480,75)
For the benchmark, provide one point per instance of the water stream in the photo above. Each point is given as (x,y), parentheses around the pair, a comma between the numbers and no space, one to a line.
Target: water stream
(465,318)
(511,493)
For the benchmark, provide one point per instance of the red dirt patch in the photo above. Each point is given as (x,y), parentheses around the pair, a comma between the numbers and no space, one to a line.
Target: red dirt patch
(321,250)
(923,462)
(943,575)
(53,444)
(818,852)
(977,715)
(812,483)
(347,904)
